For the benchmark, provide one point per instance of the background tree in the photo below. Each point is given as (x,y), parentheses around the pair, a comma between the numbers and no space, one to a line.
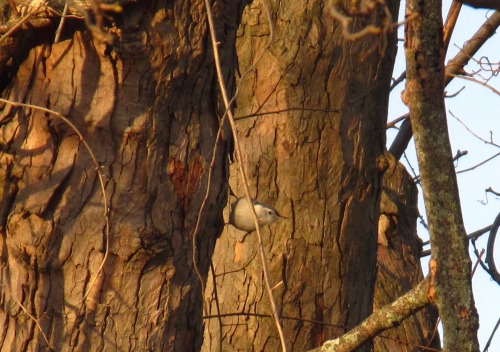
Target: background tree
(450,263)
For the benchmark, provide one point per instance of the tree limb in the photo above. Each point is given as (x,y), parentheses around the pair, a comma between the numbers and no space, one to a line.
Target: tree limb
(455,66)
(387,317)
(490,258)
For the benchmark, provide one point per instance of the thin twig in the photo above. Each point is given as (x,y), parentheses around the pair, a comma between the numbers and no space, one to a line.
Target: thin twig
(457,64)
(471,79)
(397,120)
(395,82)
(457,156)
(472,236)
(31,316)
(311,321)
(490,251)
(243,267)
(21,21)
(196,229)
(412,345)
(262,315)
(479,164)
(487,29)
(194,236)
(487,346)
(61,23)
(478,260)
(217,305)
(473,133)
(490,268)
(490,190)
(258,114)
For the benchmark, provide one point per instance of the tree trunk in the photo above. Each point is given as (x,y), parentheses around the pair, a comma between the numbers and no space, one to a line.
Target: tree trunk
(452,267)
(146,106)
(313,134)
(398,262)
(142,92)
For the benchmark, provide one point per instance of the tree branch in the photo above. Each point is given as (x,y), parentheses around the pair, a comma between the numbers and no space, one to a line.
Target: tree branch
(387,317)
(456,66)
(490,258)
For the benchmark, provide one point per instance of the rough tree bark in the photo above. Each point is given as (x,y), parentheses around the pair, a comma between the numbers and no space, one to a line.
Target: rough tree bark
(142,91)
(146,103)
(425,98)
(315,151)
(398,262)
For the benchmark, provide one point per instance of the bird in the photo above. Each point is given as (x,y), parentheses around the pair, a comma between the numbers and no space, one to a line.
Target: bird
(241,215)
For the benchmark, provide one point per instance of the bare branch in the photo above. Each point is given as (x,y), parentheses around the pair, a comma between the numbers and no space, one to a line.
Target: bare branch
(402,139)
(490,257)
(451,21)
(61,23)
(479,164)
(489,265)
(31,316)
(476,81)
(22,21)
(387,317)
(393,123)
(490,190)
(472,236)
(487,346)
(473,133)
(456,65)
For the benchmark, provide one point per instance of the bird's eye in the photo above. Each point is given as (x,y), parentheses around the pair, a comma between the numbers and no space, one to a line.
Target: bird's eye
(270,212)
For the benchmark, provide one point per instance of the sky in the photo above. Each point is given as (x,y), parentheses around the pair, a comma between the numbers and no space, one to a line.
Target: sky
(478,108)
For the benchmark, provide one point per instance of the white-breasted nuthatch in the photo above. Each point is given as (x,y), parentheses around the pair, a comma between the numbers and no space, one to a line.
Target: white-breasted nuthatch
(241,215)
